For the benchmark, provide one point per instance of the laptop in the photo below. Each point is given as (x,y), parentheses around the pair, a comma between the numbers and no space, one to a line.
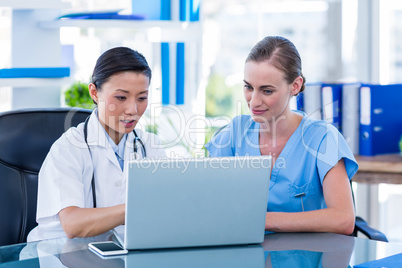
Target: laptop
(195,202)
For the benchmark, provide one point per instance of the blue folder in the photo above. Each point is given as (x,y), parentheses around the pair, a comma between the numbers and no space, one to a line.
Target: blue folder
(380,119)
(165,67)
(40,72)
(180,55)
(109,17)
(180,73)
(394,261)
(195,10)
(102,15)
(80,14)
(159,9)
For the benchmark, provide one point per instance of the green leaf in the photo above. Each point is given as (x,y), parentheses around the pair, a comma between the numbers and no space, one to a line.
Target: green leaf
(400,146)
(77,95)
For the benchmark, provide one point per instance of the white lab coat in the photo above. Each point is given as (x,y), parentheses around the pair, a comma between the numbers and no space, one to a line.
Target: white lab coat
(66,174)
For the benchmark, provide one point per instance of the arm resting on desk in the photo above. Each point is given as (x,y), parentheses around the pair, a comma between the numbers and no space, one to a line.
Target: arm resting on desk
(338,217)
(85,222)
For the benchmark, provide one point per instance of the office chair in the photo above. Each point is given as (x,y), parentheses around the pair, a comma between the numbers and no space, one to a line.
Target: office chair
(25,139)
(360,224)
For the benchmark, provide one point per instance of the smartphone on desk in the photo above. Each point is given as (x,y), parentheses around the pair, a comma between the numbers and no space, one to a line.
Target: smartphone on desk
(107,248)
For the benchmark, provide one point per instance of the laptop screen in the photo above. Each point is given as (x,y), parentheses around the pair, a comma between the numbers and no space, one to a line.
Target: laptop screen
(196,202)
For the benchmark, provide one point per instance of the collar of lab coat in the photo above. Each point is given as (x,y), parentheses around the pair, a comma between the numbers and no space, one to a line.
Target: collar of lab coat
(97,138)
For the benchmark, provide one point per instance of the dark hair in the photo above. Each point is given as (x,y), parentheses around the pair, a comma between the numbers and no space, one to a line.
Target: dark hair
(119,59)
(282,54)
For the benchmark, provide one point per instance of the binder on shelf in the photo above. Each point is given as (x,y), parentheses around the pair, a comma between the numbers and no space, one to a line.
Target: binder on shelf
(152,9)
(380,119)
(85,13)
(299,101)
(195,10)
(184,15)
(180,73)
(350,115)
(331,101)
(40,72)
(312,100)
(165,69)
(164,13)
(102,15)
(97,16)
(189,10)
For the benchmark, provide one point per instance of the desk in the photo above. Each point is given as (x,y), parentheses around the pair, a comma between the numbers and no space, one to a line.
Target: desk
(372,171)
(379,169)
(278,250)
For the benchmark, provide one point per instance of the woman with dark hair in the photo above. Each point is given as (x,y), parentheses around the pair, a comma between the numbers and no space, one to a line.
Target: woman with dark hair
(311,162)
(81,189)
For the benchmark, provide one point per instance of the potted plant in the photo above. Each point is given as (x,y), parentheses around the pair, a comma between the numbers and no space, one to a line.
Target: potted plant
(400,145)
(77,95)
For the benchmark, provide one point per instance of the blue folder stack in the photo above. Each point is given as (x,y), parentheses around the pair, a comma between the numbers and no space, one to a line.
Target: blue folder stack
(369,116)
(380,119)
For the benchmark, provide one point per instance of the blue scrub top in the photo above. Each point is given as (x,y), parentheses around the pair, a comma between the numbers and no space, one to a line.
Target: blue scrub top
(296,178)
(294,259)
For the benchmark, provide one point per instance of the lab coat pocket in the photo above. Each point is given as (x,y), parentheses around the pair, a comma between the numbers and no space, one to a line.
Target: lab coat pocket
(303,198)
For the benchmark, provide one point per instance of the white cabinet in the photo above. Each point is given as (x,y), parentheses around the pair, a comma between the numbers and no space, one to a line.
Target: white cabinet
(36,43)
(33,46)
(34,82)
(37,4)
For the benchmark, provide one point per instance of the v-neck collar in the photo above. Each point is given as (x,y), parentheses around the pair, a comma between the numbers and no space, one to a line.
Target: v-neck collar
(98,137)
(296,136)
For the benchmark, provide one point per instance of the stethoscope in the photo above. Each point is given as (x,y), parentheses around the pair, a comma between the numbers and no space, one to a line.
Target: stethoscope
(137,140)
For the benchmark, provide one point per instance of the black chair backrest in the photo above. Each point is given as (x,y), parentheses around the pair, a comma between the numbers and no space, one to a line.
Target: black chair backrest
(25,139)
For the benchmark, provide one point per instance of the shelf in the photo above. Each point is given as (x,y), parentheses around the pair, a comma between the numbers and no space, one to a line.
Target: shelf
(37,4)
(141,24)
(157,31)
(34,82)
